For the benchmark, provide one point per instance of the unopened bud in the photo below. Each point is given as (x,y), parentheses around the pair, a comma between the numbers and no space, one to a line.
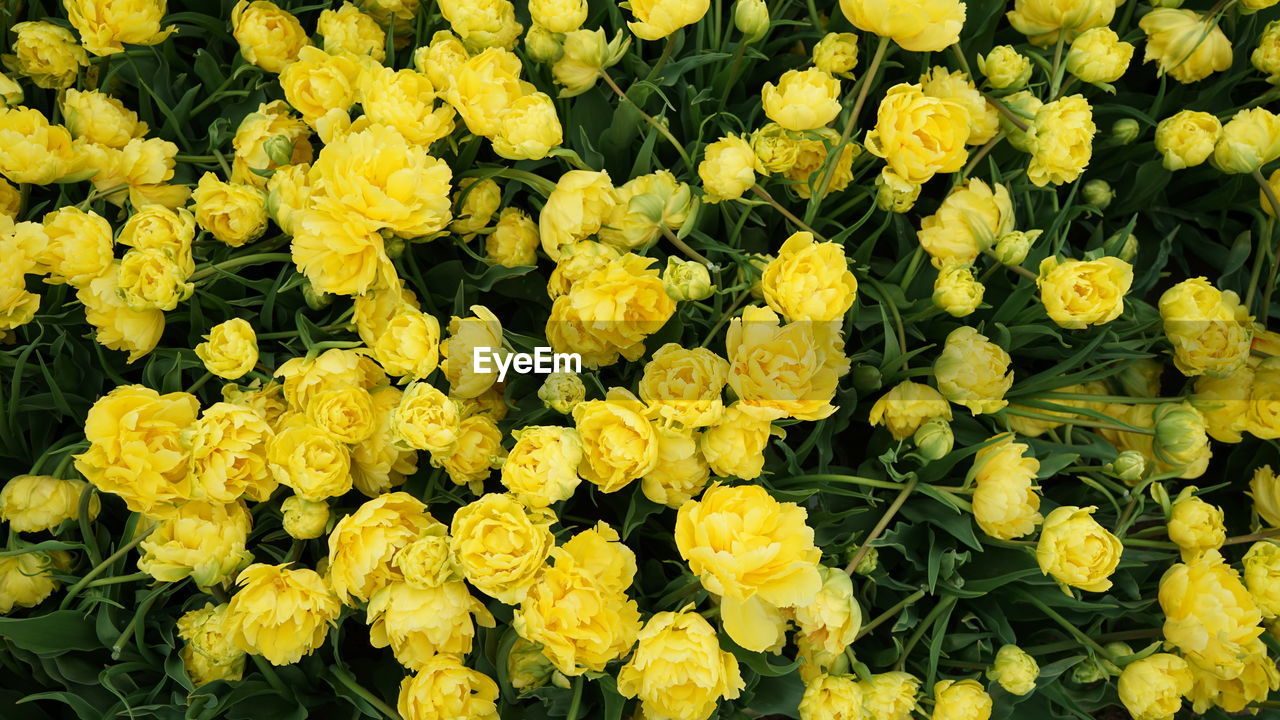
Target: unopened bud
(1012,247)
(1125,131)
(893,194)
(751,18)
(1098,193)
(316,300)
(934,439)
(869,561)
(562,392)
(866,378)
(1129,467)
(280,149)
(687,280)
(543,45)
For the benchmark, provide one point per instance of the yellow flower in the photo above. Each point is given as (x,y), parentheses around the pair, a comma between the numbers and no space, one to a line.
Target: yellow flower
(317,83)
(234,214)
(1266,57)
(1209,615)
(1224,403)
(363,544)
(477,201)
(1063,141)
(229,455)
(440,59)
(380,463)
(514,240)
(118,326)
(444,688)
(1210,330)
(687,280)
(1195,525)
(528,129)
(890,695)
(349,31)
(79,246)
(137,448)
(10,94)
(427,419)
(428,562)
(1005,68)
(99,118)
(281,614)
(32,503)
(960,700)
(586,54)
(656,19)
(681,471)
(1076,550)
(46,53)
(1015,670)
(380,177)
(1185,44)
(483,23)
(27,579)
(155,227)
(831,697)
(973,371)
(645,205)
(956,290)
(304,519)
(810,166)
(208,653)
(575,210)
(1187,138)
(971,219)
(1274,183)
(610,311)
(777,149)
(304,378)
(1005,503)
(728,169)
(829,624)
(501,546)
(339,254)
(31,150)
(734,446)
(313,463)
(558,16)
(230,349)
(717,536)
(619,444)
(1261,576)
(562,392)
(1045,22)
(267,139)
(802,99)
(809,281)
(1152,688)
(760,347)
(105,25)
(420,622)
(201,540)
(542,468)
(468,337)
(684,386)
(269,36)
(484,87)
(1079,293)
(1249,140)
(930,26)
(345,413)
(836,53)
(1264,490)
(678,670)
(408,346)
(908,406)
(405,100)
(592,578)
(1099,56)
(479,451)
(919,136)
(984,119)
(1255,682)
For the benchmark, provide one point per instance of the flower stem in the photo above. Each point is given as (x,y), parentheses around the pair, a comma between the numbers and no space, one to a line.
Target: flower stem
(764,195)
(657,125)
(102,566)
(883,523)
(576,703)
(243,260)
(887,615)
(684,248)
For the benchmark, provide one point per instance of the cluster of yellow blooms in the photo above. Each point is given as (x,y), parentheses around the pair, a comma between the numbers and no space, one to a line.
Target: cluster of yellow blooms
(349,163)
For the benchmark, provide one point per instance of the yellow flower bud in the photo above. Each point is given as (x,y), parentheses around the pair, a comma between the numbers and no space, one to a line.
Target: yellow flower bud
(1005,68)
(1099,56)
(477,201)
(1264,489)
(907,407)
(1005,502)
(1098,193)
(1195,525)
(1187,138)
(1249,140)
(230,349)
(1262,576)
(802,99)
(728,169)
(1129,466)
(1266,57)
(562,392)
(956,290)
(890,695)
(1014,670)
(304,519)
(751,17)
(269,36)
(1125,131)
(893,194)
(1152,688)
(514,240)
(1012,247)
(1076,550)
(837,53)
(587,53)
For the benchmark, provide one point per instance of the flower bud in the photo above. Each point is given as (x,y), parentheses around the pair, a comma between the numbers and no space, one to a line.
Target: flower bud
(316,299)
(957,291)
(543,45)
(1129,467)
(1014,670)
(866,378)
(836,53)
(895,194)
(687,280)
(1095,669)
(751,18)
(1098,193)
(562,392)
(279,148)
(1005,68)
(304,519)
(1180,438)
(934,439)
(527,667)
(1012,247)
(1126,249)
(394,246)
(1125,131)
(869,562)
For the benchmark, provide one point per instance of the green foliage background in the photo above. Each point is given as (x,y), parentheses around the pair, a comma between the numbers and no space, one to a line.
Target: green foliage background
(950,595)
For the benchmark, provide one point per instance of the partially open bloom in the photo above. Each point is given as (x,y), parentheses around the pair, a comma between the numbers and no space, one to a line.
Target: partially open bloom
(1187,138)
(1195,525)
(281,613)
(1209,615)
(269,37)
(201,540)
(46,53)
(1210,329)
(1045,22)
(230,349)
(930,26)
(1184,44)
(32,503)
(678,670)
(501,545)
(973,371)
(105,25)
(1079,293)
(1014,669)
(1005,502)
(802,99)
(1152,688)
(784,370)
(444,688)
(919,136)
(1076,550)
(656,19)
(809,281)
(728,169)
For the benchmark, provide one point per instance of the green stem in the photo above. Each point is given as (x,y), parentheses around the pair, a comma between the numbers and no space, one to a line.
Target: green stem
(1071,629)
(1066,420)
(1252,537)
(576,703)
(882,524)
(102,566)
(850,479)
(684,248)
(243,260)
(1153,544)
(119,579)
(887,615)
(833,156)
(662,129)
(764,195)
(922,627)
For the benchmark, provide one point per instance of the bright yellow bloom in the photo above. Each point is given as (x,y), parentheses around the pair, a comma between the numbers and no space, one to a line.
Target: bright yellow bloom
(32,503)
(208,653)
(1076,550)
(1014,669)
(1152,688)
(1261,576)
(928,26)
(444,688)
(281,614)
(1195,525)
(1210,329)
(32,150)
(1062,142)
(46,53)
(1264,490)
(575,210)
(656,19)
(1099,56)
(1249,140)
(809,281)
(919,136)
(1185,44)
(678,670)
(1005,502)
(960,700)
(1044,22)
(1187,138)
(105,25)
(27,579)
(973,371)
(201,540)
(1209,615)
(1079,293)
(728,169)
(364,543)
(785,370)
(529,128)
(419,623)
(229,455)
(501,546)
(349,31)
(802,99)
(1005,68)
(269,36)
(906,407)
(230,349)
(542,468)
